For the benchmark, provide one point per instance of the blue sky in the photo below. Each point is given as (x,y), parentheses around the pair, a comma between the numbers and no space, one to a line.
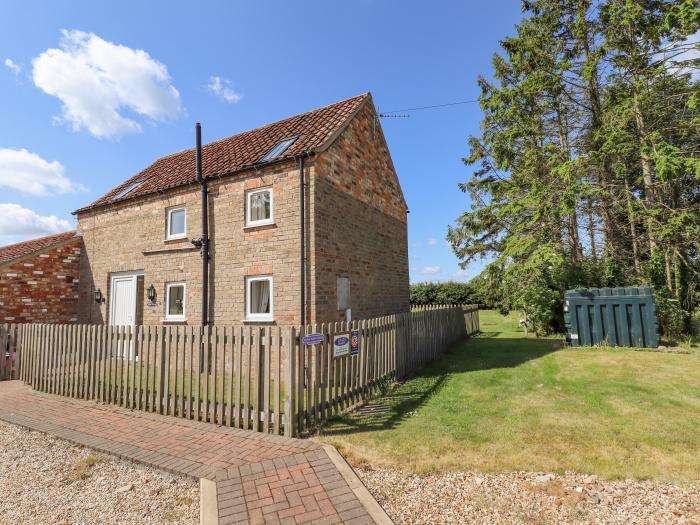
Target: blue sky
(86,108)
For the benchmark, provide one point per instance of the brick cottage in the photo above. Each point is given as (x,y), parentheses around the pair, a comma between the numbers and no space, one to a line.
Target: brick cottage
(141,261)
(39,280)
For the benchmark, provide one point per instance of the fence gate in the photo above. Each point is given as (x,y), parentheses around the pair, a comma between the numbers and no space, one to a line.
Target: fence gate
(9,357)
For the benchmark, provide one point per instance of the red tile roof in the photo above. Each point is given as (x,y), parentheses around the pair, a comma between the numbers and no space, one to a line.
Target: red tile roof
(313,130)
(15,251)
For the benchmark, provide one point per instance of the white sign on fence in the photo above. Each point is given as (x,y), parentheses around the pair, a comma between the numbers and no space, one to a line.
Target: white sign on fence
(341,345)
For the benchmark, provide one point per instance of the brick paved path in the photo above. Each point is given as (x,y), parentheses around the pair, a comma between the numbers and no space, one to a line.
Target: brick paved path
(260,478)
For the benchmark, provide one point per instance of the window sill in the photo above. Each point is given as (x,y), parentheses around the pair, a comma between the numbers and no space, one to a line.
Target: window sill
(259,321)
(173,321)
(170,249)
(261,226)
(175,239)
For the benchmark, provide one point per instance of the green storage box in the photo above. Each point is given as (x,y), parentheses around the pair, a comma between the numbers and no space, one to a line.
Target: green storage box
(612,316)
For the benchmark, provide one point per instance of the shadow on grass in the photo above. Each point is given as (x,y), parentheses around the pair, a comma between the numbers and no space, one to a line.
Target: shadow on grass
(402,401)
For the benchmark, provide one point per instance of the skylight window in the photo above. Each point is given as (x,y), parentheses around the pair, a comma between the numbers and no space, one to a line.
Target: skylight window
(127,190)
(279,148)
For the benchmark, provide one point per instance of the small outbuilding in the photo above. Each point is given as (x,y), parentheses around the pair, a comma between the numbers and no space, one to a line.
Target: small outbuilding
(39,280)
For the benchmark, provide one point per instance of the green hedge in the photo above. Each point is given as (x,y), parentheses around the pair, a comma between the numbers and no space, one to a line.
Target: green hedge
(443,293)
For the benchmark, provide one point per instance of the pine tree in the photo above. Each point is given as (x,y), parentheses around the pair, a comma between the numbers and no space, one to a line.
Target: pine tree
(590,139)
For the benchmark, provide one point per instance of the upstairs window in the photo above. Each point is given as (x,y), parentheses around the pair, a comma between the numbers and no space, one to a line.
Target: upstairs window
(177,223)
(258,305)
(278,149)
(175,301)
(259,207)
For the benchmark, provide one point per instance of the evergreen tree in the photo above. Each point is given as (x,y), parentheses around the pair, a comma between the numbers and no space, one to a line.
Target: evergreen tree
(587,165)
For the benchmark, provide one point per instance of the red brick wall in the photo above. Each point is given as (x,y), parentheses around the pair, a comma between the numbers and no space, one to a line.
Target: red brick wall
(42,287)
(359,225)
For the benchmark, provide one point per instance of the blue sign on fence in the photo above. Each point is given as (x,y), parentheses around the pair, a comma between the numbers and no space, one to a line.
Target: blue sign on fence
(341,345)
(313,339)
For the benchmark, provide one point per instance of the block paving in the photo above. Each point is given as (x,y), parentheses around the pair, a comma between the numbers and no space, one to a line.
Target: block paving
(260,478)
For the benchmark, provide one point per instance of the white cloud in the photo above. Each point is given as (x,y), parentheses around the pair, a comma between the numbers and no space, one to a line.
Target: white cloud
(97,80)
(221,87)
(460,274)
(432,242)
(430,270)
(14,67)
(16,221)
(28,173)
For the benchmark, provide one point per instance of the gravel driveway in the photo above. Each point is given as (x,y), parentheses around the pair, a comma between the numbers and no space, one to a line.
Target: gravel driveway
(530,498)
(44,480)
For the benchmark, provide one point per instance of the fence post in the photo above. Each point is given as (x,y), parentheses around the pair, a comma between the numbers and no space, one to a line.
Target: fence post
(4,351)
(289,385)
(19,347)
(258,372)
(161,371)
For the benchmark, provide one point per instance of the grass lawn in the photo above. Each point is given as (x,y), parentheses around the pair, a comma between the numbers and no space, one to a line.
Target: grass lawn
(505,402)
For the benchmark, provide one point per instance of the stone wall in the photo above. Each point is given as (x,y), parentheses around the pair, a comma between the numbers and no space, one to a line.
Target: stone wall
(130,237)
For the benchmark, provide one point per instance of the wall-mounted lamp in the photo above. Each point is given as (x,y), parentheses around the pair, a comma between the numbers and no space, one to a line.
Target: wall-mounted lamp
(151,293)
(98,296)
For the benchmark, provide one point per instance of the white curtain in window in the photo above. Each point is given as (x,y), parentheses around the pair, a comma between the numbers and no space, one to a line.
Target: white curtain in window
(260,297)
(260,206)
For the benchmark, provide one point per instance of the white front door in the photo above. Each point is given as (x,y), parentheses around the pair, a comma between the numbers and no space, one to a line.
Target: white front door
(122,306)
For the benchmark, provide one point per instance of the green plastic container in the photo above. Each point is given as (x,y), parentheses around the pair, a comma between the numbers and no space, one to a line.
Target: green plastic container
(611,316)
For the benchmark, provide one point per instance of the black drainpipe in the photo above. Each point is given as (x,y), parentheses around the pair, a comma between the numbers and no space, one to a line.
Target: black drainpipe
(205,227)
(302,283)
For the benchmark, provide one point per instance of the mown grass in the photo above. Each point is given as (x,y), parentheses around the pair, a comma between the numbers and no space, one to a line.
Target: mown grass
(125,377)
(505,402)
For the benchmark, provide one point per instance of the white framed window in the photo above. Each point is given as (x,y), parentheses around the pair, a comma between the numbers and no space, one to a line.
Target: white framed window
(175,301)
(259,207)
(176,227)
(258,298)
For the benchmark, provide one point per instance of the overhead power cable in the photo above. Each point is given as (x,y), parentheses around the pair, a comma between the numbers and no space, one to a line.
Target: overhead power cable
(428,107)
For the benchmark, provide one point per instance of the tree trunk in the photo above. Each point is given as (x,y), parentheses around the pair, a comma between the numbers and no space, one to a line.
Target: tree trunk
(647,171)
(574,243)
(633,229)
(591,229)
(604,171)
(669,271)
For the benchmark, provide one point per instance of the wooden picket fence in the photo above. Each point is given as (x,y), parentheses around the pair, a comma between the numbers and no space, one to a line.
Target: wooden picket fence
(225,375)
(391,347)
(261,378)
